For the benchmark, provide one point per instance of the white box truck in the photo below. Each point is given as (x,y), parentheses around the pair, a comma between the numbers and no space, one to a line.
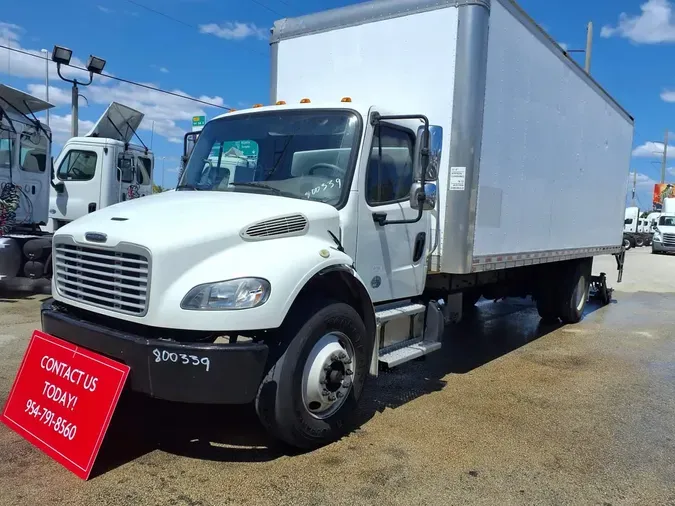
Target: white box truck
(408,144)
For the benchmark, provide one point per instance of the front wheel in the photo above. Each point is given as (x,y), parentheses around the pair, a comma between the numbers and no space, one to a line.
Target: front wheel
(310,393)
(626,243)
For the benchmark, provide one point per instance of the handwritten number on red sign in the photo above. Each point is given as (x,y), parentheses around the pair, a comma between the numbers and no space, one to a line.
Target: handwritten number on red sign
(63,399)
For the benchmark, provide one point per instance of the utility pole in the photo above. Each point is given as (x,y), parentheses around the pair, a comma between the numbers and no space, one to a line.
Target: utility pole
(589,46)
(46,79)
(634,185)
(665,156)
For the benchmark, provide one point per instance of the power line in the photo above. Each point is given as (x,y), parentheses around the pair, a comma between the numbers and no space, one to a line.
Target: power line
(121,79)
(185,23)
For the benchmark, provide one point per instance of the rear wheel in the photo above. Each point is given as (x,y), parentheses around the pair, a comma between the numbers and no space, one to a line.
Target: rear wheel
(574,291)
(639,242)
(311,391)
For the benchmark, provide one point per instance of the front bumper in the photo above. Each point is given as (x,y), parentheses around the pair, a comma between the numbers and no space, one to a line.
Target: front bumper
(661,247)
(185,372)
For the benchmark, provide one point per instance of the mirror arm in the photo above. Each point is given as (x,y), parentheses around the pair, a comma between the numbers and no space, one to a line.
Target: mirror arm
(375,119)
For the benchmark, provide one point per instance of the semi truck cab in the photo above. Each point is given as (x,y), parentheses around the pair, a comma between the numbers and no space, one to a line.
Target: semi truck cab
(100,168)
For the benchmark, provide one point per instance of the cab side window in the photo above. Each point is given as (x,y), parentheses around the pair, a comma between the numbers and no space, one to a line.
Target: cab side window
(34,149)
(144,174)
(6,147)
(78,166)
(390,176)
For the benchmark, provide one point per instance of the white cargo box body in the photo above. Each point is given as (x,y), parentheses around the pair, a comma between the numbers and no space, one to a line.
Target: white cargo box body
(535,153)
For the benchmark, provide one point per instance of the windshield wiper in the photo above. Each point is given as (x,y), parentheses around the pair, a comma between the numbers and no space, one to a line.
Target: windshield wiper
(255,184)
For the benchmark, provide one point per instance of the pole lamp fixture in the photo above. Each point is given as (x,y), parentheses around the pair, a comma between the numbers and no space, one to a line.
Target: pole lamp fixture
(95,65)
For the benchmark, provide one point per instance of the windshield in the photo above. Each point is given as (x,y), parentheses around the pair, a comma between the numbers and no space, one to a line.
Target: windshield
(305,155)
(667,221)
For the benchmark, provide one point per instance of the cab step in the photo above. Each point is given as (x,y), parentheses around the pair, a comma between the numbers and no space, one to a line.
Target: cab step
(412,350)
(392,313)
(405,332)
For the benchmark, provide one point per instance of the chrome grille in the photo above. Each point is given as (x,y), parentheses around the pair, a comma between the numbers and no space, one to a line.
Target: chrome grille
(109,279)
(294,224)
(669,239)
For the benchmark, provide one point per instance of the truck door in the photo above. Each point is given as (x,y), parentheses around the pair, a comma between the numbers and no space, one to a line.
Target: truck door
(79,168)
(391,259)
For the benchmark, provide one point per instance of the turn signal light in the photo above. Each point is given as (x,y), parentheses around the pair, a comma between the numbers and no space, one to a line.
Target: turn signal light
(346,99)
(305,101)
(281,102)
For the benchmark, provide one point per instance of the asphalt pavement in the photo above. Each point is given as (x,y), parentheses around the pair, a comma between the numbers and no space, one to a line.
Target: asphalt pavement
(510,411)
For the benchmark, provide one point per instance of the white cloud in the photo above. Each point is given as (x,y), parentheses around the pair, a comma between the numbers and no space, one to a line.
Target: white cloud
(165,110)
(9,31)
(23,65)
(164,70)
(640,180)
(563,45)
(105,10)
(668,96)
(653,26)
(653,150)
(60,126)
(234,30)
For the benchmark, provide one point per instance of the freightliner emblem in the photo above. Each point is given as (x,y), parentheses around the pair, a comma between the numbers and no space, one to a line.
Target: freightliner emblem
(95,237)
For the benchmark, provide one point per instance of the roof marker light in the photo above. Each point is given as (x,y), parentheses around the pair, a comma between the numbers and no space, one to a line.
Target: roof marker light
(346,99)
(305,101)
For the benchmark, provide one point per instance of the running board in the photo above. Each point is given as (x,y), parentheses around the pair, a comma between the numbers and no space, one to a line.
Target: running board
(412,347)
(398,312)
(404,354)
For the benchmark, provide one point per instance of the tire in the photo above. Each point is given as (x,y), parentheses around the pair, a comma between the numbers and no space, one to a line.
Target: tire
(292,403)
(626,243)
(639,242)
(574,288)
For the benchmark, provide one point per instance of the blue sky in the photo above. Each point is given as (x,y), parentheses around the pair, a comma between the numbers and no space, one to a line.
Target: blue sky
(217,50)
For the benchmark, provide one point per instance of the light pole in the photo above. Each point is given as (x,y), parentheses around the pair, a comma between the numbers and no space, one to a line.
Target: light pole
(163,158)
(46,79)
(62,55)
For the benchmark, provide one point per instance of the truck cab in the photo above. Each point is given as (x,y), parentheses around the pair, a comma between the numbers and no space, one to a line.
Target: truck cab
(664,234)
(100,168)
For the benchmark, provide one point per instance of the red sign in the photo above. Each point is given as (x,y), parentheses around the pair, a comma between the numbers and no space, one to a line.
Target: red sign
(63,399)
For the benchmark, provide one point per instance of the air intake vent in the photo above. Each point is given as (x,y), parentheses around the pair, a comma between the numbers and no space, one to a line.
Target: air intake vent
(294,224)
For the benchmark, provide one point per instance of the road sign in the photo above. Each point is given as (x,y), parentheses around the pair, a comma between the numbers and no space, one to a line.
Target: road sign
(63,399)
(198,121)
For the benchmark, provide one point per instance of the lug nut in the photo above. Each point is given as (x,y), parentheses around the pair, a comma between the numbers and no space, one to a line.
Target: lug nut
(339,394)
(325,392)
(349,372)
(331,397)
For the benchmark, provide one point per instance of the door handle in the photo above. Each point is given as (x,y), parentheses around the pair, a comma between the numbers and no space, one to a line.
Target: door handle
(380,218)
(92,207)
(419,246)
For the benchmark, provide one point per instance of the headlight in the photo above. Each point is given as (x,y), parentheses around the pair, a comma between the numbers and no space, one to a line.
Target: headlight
(242,293)
(657,235)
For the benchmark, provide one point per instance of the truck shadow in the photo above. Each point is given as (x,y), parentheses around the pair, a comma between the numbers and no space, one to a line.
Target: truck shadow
(13,290)
(234,434)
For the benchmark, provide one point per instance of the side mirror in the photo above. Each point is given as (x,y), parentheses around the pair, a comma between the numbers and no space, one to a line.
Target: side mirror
(433,161)
(430,196)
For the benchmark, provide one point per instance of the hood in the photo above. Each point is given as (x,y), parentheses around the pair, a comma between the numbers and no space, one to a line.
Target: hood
(180,219)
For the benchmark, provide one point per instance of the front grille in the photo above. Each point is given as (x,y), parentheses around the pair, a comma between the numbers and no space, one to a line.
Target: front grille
(109,279)
(669,239)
